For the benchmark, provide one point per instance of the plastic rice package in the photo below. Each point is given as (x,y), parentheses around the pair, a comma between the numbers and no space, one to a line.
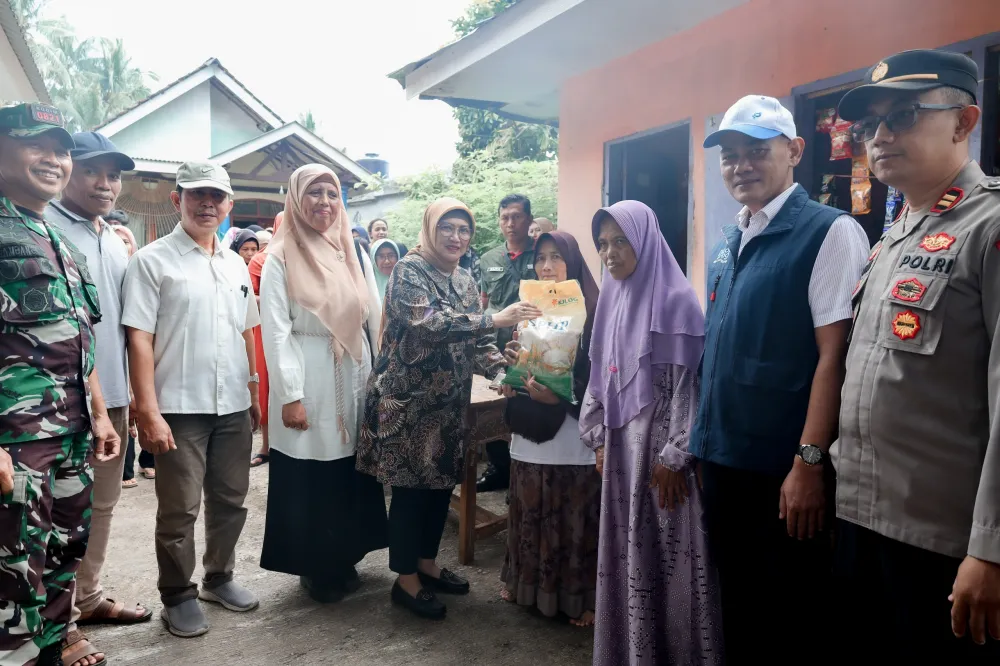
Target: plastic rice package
(549,344)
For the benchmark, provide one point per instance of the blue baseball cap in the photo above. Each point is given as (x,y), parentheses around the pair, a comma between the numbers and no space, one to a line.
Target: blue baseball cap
(93,144)
(755,116)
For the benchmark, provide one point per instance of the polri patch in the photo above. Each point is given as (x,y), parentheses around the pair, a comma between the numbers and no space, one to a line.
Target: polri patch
(910,290)
(937,242)
(906,325)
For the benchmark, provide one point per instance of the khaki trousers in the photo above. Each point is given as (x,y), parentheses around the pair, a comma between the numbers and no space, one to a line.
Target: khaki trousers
(212,458)
(107,492)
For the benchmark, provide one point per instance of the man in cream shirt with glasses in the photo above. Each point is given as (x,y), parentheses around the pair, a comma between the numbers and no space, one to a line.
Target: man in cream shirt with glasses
(189,313)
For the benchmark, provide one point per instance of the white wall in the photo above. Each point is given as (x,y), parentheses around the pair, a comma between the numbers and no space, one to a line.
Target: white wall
(14,84)
(231,125)
(178,131)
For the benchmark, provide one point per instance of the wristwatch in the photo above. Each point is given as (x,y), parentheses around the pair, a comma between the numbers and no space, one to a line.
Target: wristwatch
(255,379)
(811,455)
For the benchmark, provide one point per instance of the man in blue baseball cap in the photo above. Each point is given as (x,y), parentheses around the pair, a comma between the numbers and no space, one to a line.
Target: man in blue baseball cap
(90,194)
(779,310)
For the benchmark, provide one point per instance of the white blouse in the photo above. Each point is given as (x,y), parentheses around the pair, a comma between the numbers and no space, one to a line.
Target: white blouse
(301,366)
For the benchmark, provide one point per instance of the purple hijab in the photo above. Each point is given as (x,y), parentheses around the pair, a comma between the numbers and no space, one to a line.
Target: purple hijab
(648,319)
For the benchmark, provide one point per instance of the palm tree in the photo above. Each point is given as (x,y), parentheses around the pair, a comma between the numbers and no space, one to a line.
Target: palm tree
(90,80)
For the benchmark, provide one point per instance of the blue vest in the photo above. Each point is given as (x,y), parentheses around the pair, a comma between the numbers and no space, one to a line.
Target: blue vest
(760,342)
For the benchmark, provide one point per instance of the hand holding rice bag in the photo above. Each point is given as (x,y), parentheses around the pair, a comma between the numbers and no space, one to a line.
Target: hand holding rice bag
(549,344)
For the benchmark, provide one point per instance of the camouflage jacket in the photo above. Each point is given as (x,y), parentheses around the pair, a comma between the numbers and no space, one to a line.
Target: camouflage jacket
(48,306)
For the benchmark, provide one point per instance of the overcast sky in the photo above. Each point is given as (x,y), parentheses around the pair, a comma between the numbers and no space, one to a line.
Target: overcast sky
(331,57)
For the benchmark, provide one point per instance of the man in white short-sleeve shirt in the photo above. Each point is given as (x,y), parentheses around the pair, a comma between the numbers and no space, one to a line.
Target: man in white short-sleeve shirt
(777,321)
(189,313)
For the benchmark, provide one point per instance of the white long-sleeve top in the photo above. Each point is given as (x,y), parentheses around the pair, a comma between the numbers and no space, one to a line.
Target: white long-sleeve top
(301,366)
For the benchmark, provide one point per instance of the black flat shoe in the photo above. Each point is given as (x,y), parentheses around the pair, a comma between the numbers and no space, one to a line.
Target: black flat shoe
(448,583)
(489,482)
(324,594)
(425,604)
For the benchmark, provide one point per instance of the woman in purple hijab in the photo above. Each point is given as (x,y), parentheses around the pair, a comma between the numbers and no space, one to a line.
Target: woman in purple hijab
(657,596)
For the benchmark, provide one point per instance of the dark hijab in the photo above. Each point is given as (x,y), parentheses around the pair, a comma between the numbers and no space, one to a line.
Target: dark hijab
(243,238)
(537,421)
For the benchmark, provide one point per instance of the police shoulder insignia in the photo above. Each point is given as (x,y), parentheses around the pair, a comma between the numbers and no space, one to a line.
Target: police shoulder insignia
(910,290)
(937,242)
(906,325)
(948,200)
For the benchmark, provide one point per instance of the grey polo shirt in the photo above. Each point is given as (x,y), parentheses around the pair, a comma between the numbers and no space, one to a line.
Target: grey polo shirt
(107,259)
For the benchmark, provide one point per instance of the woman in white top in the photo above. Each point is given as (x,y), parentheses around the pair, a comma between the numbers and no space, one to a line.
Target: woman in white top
(320,321)
(555,490)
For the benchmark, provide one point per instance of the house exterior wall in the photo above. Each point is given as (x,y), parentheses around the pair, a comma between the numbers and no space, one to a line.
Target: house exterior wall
(231,125)
(14,83)
(699,73)
(363,212)
(179,131)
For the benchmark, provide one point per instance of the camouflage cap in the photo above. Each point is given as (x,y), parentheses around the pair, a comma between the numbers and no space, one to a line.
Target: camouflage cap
(25,120)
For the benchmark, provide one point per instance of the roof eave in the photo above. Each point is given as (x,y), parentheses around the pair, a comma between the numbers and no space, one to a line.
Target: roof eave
(19,42)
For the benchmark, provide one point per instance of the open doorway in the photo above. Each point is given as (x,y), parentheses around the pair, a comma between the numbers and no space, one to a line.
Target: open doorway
(654,168)
(991,113)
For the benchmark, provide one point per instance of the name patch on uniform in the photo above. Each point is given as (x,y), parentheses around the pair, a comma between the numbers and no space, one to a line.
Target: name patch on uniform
(906,325)
(495,269)
(20,251)
(910,290)
(925,263)
(937,242)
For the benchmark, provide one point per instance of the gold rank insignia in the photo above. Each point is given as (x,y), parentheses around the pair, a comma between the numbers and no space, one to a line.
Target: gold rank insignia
(948,200)
(879,72)
(906,325)
(937,242)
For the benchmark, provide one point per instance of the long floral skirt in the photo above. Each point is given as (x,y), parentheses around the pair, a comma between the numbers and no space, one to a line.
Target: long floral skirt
(553,527)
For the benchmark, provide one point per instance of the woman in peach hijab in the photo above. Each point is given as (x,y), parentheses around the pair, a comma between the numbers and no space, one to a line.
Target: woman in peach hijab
(256,267)
(435,337)
(319,323)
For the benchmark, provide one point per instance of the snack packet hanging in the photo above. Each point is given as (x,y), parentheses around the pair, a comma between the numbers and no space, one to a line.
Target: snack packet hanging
(861,196)
(840,141)
(549,344)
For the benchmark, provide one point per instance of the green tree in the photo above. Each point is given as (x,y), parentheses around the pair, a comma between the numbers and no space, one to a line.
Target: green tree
(480,129)
(308,121)
(480,182)
(90,80)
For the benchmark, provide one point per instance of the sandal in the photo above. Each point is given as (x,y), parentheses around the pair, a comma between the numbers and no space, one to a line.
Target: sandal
(129,483)
(76,647)
(109,611)
(259,459)
(148,472)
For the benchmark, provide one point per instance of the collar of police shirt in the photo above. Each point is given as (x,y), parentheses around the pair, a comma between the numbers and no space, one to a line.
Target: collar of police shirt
(187,299)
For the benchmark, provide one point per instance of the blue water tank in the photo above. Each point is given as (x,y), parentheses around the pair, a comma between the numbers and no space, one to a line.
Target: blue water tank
(375,164)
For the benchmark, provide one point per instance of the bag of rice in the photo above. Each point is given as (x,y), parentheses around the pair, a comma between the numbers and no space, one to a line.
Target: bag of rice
(549,344)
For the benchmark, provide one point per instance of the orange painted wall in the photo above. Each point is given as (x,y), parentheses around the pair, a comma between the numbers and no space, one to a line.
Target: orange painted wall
(763,47)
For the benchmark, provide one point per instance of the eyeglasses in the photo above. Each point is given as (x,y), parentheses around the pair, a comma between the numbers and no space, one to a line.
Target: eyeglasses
(447,230)
(896,121)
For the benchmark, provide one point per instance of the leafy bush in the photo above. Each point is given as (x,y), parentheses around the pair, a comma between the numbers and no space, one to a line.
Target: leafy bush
(480,182)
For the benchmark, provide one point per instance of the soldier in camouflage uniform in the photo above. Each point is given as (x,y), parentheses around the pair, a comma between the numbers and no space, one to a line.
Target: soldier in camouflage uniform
(52,414)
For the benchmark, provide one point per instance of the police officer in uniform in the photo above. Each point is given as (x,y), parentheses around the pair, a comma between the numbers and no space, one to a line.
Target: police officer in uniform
(918,456)
(52,413)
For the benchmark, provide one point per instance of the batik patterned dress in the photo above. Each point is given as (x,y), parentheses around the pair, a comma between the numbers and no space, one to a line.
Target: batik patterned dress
(435,337)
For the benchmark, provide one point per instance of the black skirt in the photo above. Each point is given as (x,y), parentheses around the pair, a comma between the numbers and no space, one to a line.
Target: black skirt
(323,517)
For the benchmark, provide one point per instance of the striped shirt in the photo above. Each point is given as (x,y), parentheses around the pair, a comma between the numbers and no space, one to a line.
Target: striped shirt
(839,262)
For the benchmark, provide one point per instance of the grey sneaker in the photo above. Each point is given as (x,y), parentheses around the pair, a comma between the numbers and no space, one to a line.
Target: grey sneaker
(185,620)
(232,596)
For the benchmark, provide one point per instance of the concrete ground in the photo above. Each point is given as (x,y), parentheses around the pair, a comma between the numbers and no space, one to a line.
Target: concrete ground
(289,628)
